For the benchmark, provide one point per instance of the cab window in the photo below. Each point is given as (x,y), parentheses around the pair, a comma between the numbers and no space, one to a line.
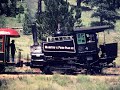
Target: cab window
(81,38)
(90,38)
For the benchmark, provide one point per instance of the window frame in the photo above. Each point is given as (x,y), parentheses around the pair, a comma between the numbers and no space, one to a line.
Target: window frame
(2,43)
(80,38)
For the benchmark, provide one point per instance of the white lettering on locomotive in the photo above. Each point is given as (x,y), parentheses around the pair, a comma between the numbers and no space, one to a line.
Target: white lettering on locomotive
(59,47)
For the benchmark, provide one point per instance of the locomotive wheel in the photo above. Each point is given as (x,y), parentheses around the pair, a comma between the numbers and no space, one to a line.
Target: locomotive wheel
(98,70)
(94,71)
(70,72)
(46,70)
(89,71)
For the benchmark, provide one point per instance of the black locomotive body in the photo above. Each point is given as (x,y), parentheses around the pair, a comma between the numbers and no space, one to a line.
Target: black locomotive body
(76,52)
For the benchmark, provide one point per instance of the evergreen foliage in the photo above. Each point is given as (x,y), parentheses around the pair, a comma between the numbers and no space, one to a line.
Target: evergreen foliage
(29,18)
(105,10)
(57,12)
(2,21)
(9,8)
(21,9)
(27,24)
(78,14)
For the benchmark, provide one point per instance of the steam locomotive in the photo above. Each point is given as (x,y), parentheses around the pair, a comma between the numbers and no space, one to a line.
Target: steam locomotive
(77,52)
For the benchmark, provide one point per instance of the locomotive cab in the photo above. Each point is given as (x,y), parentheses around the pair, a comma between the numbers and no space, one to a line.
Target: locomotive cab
(88,49)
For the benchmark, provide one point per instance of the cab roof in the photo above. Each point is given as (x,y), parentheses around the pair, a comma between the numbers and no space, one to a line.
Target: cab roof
(95,29)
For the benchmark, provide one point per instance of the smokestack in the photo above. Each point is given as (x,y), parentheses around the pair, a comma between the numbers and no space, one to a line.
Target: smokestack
(34,32)
(58,32)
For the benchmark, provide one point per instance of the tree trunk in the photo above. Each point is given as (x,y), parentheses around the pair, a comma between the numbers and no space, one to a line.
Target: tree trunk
(114,5)
(78,3)
(101,20)
(39,6)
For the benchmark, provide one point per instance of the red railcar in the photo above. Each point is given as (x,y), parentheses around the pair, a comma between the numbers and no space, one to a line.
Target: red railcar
(5,35)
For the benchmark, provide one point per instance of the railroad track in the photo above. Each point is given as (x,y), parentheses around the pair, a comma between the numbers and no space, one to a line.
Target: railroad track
(38,73)
(114,71)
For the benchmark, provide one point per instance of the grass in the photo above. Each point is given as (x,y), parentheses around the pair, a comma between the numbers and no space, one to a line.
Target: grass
(24,43)
(62,81)
(59,82)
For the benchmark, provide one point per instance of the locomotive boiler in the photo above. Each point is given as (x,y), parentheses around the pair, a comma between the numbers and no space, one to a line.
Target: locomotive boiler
(77,52)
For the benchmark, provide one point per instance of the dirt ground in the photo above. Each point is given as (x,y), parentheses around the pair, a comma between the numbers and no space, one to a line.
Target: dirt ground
(27,71)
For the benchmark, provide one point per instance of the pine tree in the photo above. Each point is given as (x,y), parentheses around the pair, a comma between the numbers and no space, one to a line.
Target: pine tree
(56,11)
(27,24)
(3,4)
(13,7)
(8,7)
(105,11)
(78,14)
(29,18)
